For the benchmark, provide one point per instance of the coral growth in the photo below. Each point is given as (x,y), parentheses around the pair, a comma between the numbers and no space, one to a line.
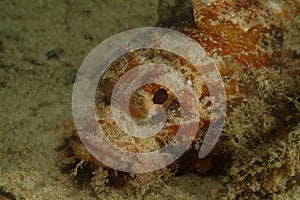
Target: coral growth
(261,138)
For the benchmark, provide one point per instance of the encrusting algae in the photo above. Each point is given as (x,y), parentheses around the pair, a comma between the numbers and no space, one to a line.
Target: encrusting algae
(257,156)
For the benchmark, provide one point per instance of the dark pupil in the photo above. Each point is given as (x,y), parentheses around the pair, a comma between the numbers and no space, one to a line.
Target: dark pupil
(160,96)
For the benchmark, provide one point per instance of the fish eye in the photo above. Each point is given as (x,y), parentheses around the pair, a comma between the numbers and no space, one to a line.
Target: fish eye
(160,96)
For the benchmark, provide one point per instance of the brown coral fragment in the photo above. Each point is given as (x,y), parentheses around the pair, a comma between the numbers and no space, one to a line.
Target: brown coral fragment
(237,30)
